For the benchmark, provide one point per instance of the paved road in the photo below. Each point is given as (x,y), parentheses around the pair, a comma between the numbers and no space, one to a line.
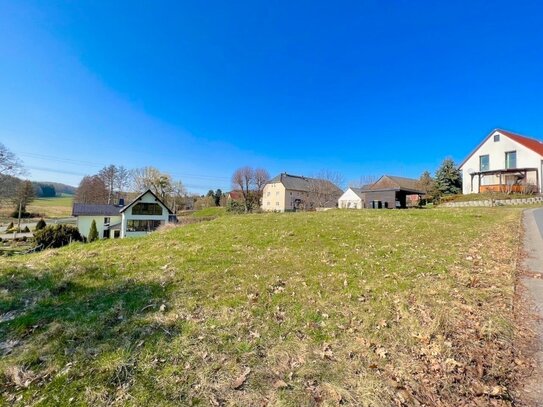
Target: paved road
(533,282)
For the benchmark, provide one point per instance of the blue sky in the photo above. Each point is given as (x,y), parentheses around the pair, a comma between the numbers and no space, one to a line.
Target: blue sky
(199,88)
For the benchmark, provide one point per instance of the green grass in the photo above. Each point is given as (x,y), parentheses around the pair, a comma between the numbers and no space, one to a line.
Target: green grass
(356,308)
(211,211)
(57,207)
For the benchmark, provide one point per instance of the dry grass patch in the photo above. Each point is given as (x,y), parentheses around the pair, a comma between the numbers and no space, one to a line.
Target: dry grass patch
(365,308)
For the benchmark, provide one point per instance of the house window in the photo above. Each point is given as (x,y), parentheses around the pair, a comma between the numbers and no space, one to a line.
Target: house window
(268,194)
(134,225)
(484,163)
(496,137)
(277,204)
(268,203)
(511,159)
(107,220)
(144,208)
(277,193)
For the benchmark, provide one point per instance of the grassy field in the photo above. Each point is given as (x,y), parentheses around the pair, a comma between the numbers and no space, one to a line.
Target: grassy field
(211,211)
(59,207)
(355,308)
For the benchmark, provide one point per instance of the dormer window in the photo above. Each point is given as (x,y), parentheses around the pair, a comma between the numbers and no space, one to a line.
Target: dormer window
(496,137)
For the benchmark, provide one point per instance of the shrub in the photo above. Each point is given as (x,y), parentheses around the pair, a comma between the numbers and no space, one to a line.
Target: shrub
(93,233)
(10,226)
(235,206)
(26,229)
(57,236)
(41,224)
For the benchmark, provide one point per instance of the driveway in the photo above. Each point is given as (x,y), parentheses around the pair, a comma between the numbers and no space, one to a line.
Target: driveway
(533,283)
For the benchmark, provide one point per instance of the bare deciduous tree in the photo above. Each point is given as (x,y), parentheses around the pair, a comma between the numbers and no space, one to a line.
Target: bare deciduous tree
(155,180)
(92,189)
(363,180)
(109,175)
(9,162)
(123,179)
(326,187)
(243,180)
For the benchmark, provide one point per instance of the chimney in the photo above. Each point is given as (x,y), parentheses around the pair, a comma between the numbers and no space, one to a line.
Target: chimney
(121,202)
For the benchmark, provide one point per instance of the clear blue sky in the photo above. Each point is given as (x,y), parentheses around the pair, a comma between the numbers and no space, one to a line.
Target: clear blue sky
(198,88)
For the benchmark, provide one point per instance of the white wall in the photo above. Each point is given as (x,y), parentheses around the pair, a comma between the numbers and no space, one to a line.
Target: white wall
(84,224)
(350,199)
(273,197)
(496,150)
(127,215)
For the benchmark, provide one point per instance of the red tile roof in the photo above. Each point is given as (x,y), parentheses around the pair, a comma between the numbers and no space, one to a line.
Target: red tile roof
(532,144)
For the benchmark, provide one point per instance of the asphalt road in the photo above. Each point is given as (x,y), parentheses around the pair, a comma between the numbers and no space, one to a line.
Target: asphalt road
(532,282)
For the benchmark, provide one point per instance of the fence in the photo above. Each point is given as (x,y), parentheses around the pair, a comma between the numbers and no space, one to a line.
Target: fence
(495,202)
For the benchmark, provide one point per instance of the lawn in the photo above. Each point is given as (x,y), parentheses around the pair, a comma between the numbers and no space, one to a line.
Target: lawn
(58,207)
(355,308)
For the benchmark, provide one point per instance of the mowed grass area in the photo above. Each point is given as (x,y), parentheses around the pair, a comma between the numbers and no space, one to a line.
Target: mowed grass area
(58,207)
(355,308)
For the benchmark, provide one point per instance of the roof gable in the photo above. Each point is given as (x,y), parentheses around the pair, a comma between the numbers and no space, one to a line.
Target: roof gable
(530,143)
(301,183)
(138,198)
(392,182)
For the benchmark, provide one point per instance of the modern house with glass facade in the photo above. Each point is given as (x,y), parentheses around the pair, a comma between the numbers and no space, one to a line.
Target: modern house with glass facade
(143,215)
(504,162)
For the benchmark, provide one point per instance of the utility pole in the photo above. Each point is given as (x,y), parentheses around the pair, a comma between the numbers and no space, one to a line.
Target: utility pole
(19,221)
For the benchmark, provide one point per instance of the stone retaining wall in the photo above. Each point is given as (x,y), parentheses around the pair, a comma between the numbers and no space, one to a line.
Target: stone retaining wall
(495,202)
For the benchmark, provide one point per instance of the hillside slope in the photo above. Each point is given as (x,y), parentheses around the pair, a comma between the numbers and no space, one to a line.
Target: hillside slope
(345,307)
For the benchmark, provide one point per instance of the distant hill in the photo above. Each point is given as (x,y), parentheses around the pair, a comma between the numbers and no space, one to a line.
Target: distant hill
(49,189)
(8,186)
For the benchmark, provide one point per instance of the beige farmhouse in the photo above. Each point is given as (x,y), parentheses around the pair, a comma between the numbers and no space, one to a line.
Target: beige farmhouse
(286,193)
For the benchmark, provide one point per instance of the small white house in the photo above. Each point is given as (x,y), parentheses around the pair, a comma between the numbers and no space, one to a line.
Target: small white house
(504,162)
(352,198)
(143,215)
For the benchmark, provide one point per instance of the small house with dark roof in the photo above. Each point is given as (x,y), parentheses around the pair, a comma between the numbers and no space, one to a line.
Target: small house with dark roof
(504,162)
(287,193)
(141,216)
(389,191)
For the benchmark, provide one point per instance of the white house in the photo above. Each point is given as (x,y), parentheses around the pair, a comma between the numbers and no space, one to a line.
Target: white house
(504,162)
(352,198)
(143,215)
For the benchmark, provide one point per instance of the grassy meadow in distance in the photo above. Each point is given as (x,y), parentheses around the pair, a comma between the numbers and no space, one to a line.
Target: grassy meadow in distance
(355,308)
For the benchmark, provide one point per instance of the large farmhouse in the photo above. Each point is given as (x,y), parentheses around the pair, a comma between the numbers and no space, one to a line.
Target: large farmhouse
(143,215)
(288,192)
(504,162)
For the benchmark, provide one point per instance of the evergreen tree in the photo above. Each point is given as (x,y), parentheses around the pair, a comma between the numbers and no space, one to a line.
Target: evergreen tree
(41,224)
(448,178)
(93,234)
(217,197)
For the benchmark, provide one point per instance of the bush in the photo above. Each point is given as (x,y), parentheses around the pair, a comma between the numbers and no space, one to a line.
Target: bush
(41,224)
(93,233)
(10,226)
(57,236)
(235,206)
(26,230)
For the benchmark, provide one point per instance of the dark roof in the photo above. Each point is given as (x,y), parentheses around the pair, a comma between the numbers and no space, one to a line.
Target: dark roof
(301,183)
(140,196)
(81,209)
(531,143)
(391,182)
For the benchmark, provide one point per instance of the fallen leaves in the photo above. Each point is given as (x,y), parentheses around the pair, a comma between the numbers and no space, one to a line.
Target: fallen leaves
(241,379)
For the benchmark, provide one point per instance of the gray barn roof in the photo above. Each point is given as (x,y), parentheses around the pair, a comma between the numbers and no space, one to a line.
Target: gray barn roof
(81,209)
(300,183)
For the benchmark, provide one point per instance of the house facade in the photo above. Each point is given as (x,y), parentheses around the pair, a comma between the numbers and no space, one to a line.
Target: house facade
(353,198)
(504,162)
(143,215)
(387,192)
(289,193)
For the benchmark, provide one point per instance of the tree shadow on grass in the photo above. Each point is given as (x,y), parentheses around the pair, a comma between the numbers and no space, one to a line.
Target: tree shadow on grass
(50,321)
